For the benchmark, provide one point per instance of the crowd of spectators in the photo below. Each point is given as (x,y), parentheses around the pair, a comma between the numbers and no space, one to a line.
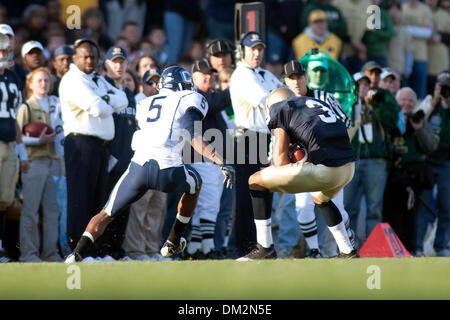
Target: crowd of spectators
(399,68)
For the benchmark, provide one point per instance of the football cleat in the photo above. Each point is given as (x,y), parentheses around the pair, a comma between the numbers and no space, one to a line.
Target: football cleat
(197,255)
(283,254)
(259,252)
(351,237)
(419,253)
(73,257)
(169,249)
(351,255)
(315,254)
(224,252)
(214,255)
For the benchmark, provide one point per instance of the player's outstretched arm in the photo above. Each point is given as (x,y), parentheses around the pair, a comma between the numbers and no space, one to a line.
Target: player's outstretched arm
(207,150)
(281,148)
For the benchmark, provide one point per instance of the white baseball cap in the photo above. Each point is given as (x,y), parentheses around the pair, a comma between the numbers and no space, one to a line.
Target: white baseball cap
(30,45)
(6,29)
(360,75)
(386,72)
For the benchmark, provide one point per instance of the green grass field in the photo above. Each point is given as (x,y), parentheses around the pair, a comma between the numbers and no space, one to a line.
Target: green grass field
(400,278)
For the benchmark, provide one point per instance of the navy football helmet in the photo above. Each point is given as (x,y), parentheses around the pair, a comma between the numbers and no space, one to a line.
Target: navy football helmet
(176,78)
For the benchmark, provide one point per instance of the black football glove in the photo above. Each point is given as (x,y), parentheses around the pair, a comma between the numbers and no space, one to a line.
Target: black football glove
(230,176)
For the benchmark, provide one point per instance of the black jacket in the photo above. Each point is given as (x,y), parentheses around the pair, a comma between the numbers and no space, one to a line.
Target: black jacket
(124,125)
(217,102)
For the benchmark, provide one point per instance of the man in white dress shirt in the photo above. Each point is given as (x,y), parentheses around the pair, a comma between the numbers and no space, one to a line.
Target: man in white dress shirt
(249,87)
(88,102)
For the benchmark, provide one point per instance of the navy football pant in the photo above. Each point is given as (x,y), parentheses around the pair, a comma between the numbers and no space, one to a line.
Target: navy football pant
(138,179)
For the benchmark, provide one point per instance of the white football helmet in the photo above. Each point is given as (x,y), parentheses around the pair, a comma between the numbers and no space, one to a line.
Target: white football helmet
(8,59)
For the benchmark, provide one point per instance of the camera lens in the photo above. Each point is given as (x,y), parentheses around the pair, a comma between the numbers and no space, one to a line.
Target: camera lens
(445,92)
(416,117)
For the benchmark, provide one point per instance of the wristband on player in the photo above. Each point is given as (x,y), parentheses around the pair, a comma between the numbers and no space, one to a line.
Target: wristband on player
(21,151)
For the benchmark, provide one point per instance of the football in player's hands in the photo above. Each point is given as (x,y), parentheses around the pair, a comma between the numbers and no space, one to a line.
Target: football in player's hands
(34,129)
(298,154)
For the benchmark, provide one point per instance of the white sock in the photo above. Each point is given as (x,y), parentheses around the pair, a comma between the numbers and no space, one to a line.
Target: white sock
(195,242)
(208,245)
(193,246)
(340,235)
(312,242)
(264,232)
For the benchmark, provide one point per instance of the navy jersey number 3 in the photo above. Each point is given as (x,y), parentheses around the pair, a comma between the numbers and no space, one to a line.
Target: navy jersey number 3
(313,124)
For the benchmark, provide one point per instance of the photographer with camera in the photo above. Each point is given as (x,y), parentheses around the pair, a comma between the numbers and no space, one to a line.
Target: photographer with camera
(379,117)
(438,116)
(410,174)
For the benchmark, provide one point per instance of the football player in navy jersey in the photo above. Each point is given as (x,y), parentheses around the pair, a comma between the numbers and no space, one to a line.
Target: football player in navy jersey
(10,137)
(297,80)
(312,124)
(10,100)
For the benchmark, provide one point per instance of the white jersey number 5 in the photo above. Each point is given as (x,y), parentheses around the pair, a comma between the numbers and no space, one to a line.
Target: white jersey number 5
(154,115)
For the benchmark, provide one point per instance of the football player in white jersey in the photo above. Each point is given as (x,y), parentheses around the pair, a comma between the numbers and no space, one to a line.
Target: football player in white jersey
(165,120)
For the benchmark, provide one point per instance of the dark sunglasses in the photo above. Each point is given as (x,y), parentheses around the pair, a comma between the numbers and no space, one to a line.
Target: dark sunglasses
(151,82)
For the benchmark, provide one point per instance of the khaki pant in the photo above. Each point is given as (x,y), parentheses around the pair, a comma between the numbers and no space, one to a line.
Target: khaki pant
(8,171)
(323,182)
(143,234)
(39,188)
